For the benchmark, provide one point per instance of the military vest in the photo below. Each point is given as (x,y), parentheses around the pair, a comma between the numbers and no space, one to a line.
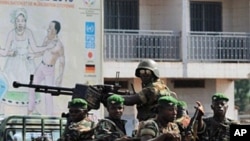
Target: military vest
(78,131)
(107,130)
(216,131)
(149,96)
(151,127)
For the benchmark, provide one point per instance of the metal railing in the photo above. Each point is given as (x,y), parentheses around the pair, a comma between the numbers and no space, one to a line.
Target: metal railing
(218,46)
(30,127)
(133,45)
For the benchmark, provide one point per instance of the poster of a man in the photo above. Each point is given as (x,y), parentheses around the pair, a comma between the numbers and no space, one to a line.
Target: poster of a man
(46,69)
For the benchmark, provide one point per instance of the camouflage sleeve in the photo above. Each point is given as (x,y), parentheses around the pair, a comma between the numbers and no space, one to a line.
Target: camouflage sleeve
(148,95)
(151,94)
(104,131)
(175,128)
(148,128)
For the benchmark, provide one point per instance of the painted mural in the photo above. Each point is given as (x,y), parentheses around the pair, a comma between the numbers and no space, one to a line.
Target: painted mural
(50,40)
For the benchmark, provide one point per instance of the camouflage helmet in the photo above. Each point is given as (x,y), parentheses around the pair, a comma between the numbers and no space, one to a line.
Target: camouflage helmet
(147,64)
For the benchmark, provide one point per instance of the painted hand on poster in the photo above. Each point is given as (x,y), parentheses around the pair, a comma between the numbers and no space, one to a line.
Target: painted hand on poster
(46,69)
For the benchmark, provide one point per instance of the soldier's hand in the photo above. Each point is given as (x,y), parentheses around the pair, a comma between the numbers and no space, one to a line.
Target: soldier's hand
(200,108)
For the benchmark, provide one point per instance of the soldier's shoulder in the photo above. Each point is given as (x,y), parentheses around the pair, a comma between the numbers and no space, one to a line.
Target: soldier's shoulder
(105,122)
(87,123)
(232,121)
(150,123)
(148,127)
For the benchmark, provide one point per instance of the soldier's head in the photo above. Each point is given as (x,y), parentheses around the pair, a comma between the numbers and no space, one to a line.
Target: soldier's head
(181,108)
(147,70)
(78,109)
(115,106)
(167,108)
(219,104)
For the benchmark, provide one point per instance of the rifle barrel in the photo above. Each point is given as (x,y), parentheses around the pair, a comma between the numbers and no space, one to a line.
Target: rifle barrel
(46,89)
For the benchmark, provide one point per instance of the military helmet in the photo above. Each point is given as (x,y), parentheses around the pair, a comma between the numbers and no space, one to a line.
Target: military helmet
(147,64)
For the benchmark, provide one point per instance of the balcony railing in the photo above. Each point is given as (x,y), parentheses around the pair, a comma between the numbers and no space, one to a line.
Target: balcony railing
(133,45)
(218,46)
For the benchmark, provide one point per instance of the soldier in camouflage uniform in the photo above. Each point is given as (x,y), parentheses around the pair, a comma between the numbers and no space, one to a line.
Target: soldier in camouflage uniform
(217,127)
(163,127)
(152,89)
(112,128)
(79,127)
(183,121)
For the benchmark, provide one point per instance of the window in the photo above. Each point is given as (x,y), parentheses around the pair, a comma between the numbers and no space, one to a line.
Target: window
(121,14)
(206,16)
(189,83)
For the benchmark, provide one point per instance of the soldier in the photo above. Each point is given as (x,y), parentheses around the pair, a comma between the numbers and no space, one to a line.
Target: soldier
(112,127)
(79,126)
(152,89)
(162,127)
(183,121)
(217,127)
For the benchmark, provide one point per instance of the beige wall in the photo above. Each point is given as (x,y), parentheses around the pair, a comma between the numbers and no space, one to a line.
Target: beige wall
(191,95)
(160,15)
(240,15)
(167,15)
(175,70)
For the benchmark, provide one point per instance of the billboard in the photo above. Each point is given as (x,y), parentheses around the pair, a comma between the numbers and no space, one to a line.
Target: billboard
(58,41)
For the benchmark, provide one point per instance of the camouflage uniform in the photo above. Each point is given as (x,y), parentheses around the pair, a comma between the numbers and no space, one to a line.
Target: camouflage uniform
(212,129)
(150,92)
(111,128)
(149,96)
(76,130)
(72,132)
(183,121)
(154,128)
(215,131)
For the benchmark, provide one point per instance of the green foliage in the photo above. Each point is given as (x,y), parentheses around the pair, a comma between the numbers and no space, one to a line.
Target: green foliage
(242,88)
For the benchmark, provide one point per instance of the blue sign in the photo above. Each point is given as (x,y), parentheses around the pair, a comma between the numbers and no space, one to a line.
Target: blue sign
(90,28)
(90,35)
(90,41)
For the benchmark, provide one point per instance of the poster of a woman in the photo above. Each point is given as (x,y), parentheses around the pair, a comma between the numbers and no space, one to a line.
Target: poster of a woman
(20,44)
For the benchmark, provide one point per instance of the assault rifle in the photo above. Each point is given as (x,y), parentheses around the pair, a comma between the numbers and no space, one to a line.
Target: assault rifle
(93,94)
(190,127)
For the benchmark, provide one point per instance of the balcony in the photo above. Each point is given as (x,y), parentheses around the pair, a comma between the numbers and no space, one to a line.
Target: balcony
(133,45)
(218,47)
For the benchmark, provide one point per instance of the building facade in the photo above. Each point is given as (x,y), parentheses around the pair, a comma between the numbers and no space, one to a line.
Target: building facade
(201,46)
